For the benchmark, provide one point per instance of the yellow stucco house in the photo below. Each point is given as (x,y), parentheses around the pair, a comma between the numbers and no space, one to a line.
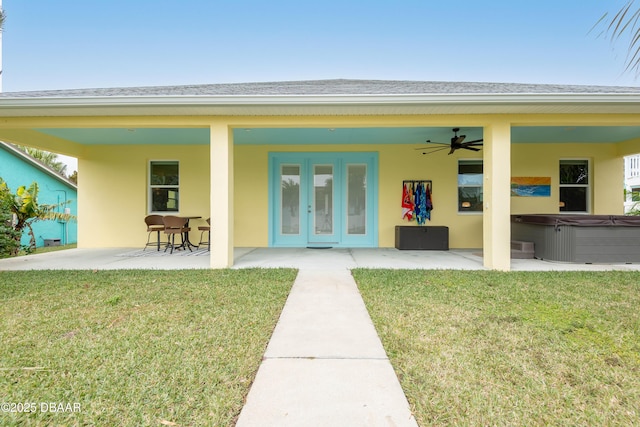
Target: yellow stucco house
(323,162)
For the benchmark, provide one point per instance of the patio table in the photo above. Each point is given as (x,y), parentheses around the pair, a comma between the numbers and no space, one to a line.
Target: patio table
(186,242)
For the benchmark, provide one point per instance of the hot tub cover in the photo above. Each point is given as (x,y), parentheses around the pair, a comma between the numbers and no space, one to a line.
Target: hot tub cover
(578,220)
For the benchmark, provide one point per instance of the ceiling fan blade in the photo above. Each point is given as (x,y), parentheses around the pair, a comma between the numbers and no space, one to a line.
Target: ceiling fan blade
(474,141)
(429,150)
(458,139)
(436,144)
(466,147)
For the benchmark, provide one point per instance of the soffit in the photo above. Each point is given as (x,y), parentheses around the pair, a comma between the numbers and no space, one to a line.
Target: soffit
(340,136)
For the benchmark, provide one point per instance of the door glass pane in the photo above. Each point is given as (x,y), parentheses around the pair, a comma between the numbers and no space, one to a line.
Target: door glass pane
(357,199)
(323,199)
(290,197)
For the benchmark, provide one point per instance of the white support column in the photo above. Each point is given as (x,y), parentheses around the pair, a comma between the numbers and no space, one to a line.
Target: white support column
(497,196)
(221,165)
(0,52)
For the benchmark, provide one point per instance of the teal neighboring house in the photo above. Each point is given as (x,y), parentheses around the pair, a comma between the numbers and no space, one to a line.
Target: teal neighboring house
(18,168)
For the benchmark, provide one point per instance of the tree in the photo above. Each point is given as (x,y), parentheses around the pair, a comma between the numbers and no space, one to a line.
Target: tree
(24,206)
(49,159)
(625,23)
(74,177)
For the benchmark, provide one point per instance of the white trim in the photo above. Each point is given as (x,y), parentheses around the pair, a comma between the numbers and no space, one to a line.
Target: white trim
(176,100)
(291,104)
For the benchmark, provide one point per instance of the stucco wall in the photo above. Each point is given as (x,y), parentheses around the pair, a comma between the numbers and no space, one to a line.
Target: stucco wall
(251,192)
(398,163)
(542,160)
(113,190)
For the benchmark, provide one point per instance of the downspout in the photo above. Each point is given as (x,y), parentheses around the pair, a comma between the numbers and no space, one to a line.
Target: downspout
(0,52)
(65,227)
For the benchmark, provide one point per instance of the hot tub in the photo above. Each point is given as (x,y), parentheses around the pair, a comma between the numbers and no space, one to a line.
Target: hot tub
(580,238)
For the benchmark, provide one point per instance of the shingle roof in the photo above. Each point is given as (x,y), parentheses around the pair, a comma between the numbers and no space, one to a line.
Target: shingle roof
(329,87)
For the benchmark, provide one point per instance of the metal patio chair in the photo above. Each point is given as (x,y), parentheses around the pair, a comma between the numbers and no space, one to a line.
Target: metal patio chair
(205,229)
(154,225)
(175,225)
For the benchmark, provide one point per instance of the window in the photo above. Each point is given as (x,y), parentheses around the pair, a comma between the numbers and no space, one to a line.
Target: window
(164,186)
(470,186)
(574,186)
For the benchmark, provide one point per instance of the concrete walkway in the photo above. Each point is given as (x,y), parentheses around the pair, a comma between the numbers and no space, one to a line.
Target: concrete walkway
(325,365)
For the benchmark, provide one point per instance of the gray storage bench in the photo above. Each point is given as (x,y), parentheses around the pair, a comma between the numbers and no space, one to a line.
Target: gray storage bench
(435,238)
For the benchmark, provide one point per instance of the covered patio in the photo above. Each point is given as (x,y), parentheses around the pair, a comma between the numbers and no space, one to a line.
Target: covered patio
(299,258)
(296,164)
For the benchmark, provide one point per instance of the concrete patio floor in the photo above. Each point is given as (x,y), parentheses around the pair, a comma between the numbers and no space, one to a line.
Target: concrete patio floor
(301,258)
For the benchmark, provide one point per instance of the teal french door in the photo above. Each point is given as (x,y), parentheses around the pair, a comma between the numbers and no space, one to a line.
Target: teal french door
(323,199)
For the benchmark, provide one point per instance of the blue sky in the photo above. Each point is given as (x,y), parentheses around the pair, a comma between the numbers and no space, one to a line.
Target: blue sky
(110,43)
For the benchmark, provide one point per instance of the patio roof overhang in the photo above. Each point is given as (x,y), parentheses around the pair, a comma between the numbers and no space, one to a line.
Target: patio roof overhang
(297,105)
(413,111)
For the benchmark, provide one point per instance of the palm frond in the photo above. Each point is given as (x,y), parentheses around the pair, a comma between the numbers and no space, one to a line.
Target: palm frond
(625,22)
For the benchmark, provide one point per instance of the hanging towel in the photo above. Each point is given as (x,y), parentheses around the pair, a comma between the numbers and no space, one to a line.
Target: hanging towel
(421,204)
(429,202)
(407,203)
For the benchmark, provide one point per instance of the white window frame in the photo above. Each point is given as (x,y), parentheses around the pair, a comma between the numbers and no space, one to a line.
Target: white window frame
(588,185)
(151,187)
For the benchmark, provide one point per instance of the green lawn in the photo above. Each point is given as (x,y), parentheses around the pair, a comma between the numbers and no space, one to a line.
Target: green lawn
(517,349)
(134,347)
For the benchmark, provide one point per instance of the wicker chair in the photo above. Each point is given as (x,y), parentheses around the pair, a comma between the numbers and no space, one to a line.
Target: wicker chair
(154,225)
(175,225)
(205,229)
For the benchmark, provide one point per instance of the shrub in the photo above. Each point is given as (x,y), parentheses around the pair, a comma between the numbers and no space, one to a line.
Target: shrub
(8,236)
